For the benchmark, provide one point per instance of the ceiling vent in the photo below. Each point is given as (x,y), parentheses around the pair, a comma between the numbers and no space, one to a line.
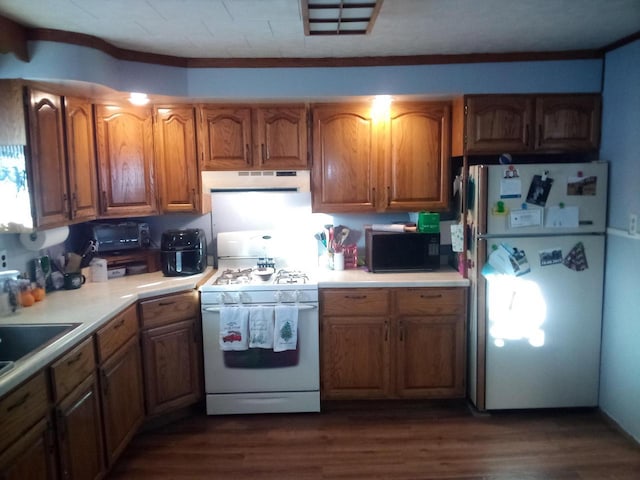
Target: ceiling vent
(339,17)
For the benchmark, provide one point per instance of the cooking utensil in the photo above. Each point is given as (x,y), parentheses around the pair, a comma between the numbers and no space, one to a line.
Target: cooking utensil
(344,234)
(73,263)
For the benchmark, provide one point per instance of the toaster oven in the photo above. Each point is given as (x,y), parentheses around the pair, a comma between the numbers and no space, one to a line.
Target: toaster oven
(116,237)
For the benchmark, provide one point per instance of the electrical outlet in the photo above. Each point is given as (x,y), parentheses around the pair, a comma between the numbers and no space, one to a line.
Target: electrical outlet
(3,259)
(633,224)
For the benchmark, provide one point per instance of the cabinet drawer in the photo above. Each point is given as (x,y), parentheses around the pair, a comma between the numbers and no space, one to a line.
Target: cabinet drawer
(117,332)
(22,408)
(354,302)
(168,309)
(72,369)
(433,301)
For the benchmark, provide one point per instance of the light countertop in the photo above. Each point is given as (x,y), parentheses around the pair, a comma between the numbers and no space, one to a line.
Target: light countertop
(362,278)
(94,304)
(91,306)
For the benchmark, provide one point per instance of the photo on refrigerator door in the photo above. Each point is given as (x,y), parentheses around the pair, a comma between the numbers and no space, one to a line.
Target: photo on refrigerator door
(582,185)
(539,190)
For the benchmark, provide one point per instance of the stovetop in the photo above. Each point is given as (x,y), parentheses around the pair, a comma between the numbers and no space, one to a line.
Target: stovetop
(269,261)
(261,276)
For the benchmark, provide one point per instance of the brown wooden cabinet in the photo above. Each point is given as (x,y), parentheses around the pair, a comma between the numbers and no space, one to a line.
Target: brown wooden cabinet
(77,414)
(397,164)
(416,172)
(124,141)
(62,159)
(171,350)
(355,343)
(280,137)
(81,159)
(548,123)
(79,432)
(175,144)
(431,342)
(568,122)
(31,456)
(345,159)
(241,137)
(121,383)
(393,343)
(27,448)
(47,162)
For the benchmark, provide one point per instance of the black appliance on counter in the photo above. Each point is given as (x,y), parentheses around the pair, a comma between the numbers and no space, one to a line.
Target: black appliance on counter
(401,252)
(119,236)
(183,252)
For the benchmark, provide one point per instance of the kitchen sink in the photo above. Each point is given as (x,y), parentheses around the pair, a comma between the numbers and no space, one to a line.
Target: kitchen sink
(19,341)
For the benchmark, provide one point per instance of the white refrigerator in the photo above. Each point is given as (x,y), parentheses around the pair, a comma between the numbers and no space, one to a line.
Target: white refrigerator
(536,266)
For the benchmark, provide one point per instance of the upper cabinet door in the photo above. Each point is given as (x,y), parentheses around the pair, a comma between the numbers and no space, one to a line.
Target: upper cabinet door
(498,123)
(177,160)
(345,156)
(47,159)
(81,159)
(281,138)
(417,171)
(125,157)
(226,138)
(568,122)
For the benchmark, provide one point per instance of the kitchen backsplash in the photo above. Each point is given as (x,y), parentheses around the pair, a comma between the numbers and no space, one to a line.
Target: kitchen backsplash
(18,257)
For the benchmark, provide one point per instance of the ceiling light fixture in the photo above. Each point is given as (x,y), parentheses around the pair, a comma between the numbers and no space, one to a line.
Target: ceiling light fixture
(138,99)
(339,17)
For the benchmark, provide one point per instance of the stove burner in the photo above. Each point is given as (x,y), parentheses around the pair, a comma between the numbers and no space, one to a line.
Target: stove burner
(291,276)
(233,277)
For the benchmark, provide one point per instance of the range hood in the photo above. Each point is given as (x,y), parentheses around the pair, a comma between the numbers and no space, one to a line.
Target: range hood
(256,180)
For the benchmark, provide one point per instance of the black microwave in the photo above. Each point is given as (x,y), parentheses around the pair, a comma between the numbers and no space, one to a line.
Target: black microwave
(402,251)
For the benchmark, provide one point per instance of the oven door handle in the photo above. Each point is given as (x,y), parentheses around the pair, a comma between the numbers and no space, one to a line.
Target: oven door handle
(217,309)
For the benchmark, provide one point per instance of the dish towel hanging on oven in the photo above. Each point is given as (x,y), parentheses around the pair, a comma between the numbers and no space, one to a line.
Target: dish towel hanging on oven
(234,328)
(261,327)
(286,328)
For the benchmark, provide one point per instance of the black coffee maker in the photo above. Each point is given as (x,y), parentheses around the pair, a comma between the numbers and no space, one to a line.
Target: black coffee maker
(183,252)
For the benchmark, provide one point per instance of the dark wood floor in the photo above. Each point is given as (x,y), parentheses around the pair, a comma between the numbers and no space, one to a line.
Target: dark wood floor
(385,441)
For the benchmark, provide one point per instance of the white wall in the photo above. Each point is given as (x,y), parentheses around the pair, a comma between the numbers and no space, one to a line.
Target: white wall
(620,362)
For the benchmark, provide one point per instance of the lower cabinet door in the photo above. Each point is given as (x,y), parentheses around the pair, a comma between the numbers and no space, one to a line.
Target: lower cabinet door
(122,398)
(430,357)
(79,430)
(31,456)
(355,357)
(171,356)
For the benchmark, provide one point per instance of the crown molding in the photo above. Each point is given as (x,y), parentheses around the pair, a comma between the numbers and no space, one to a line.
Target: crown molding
(43,34)
(13,38)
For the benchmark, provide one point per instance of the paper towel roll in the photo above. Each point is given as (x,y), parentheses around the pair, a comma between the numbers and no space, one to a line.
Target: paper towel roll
(38,240)
(376,227)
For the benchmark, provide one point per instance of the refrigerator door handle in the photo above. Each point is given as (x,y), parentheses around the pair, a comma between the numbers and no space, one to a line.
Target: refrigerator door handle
(481,200)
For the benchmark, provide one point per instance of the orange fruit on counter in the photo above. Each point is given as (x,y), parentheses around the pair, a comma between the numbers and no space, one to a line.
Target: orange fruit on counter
(38,294)
(26,299)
